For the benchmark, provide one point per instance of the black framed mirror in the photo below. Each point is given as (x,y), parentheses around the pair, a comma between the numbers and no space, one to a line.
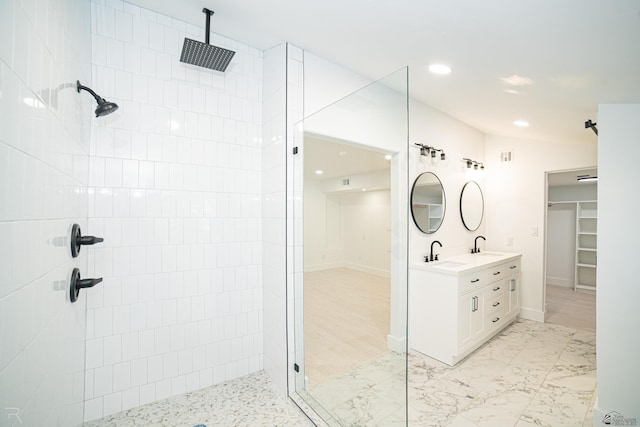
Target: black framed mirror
(428,202)
(471,205)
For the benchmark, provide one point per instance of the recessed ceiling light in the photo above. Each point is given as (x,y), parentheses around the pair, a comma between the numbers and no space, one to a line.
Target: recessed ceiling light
(364,189)
(521,123)
(388,157)
(516,80)
(319,172)
(440,69)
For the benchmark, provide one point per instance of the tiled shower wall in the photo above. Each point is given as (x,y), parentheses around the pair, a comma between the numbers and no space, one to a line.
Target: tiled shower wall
(44,143)
(175,190)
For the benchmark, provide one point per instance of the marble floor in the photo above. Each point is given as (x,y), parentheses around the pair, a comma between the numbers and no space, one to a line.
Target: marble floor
(532,374)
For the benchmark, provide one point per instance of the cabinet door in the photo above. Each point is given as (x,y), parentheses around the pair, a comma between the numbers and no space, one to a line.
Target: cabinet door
(513,287)
(466,312)
(478,321)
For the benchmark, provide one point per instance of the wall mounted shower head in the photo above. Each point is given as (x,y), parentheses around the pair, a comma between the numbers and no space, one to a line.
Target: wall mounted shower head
(204,54)
(104,107)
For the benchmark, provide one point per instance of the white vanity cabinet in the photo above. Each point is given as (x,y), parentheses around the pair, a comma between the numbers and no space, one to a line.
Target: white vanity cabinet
(456,305)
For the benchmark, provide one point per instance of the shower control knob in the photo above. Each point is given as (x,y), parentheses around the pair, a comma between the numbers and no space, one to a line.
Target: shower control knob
(77,240)
(77,283)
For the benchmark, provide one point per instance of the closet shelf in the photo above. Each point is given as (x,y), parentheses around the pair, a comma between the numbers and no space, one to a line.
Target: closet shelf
(586,245)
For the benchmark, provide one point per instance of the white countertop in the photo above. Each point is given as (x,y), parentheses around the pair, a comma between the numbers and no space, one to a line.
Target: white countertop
(466,263)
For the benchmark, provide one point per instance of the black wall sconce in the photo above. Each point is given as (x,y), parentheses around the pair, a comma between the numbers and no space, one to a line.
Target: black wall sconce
(426,150)
(473,163)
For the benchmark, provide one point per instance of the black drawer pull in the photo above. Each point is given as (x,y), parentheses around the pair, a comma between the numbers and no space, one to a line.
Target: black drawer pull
(495,304)
(496,288)
(513,266)
(475,280)
(495,320)
(496,273)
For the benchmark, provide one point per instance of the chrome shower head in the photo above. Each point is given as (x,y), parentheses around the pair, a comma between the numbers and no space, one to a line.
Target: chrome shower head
(203,54)
(104,107)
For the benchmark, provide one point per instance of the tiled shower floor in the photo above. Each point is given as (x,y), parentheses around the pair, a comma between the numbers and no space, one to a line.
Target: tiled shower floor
(532,374)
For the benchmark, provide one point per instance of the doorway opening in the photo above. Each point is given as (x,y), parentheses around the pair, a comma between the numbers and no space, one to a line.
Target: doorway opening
(571,248)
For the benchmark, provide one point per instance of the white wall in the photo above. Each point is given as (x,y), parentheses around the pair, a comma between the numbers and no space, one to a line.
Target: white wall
(180,210)
(366,231)
(44,49)
(561,245)
(515,193)
(618,317)
(431,127)
(322,228)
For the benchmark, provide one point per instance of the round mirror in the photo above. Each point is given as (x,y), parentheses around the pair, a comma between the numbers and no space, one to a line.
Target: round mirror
(427,202)
(471,205)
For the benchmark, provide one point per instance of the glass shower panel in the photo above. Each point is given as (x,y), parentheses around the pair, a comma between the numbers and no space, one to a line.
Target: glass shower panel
(350,258)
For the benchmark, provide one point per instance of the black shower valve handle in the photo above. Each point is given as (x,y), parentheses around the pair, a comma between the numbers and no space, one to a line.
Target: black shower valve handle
(77,240)
(88,283)
(90,240)
(77,283)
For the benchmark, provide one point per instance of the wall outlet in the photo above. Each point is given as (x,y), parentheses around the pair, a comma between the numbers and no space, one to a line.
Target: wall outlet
(534,231)
(510,241)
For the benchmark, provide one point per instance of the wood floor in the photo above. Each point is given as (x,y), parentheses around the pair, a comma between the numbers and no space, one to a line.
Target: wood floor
(346,321)
(573,309)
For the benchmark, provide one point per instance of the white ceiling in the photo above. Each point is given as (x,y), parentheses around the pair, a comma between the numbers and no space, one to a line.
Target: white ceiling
(577,53)
(559,179)
(339,160)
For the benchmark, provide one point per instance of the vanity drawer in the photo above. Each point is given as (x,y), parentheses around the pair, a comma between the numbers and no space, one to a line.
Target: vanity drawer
(497,273)
(495,305)
(512,267)
(472,281)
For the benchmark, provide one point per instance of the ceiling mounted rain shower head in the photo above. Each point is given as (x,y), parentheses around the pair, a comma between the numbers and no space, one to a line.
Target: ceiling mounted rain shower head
(104,107)
(204,54)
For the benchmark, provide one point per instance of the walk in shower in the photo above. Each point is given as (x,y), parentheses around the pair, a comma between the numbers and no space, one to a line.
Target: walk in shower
(350,184)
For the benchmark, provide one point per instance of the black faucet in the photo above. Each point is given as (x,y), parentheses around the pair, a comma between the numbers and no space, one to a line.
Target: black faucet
(476,249)
(431,257)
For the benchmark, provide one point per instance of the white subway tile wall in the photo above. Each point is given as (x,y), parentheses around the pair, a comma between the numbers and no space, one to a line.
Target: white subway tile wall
(175,189)
(44,143)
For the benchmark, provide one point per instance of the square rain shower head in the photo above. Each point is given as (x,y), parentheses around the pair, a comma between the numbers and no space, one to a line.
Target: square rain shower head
(205,55)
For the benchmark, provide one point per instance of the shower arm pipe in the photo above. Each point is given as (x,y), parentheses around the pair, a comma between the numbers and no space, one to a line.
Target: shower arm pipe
(209,13)
(79,86)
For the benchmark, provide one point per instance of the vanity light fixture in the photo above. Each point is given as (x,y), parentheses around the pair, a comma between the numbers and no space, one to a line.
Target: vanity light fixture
(426,150)
(474,163)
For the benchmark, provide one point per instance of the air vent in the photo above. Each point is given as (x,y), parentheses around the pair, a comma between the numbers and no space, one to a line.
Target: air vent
(506,157)
(345,181)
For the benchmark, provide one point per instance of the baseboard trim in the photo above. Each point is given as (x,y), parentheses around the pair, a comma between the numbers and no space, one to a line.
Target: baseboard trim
(559,281)
(366,269)
(397,344)
(531,314)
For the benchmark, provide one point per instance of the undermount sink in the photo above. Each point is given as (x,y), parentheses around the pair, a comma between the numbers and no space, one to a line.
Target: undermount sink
(450,264)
